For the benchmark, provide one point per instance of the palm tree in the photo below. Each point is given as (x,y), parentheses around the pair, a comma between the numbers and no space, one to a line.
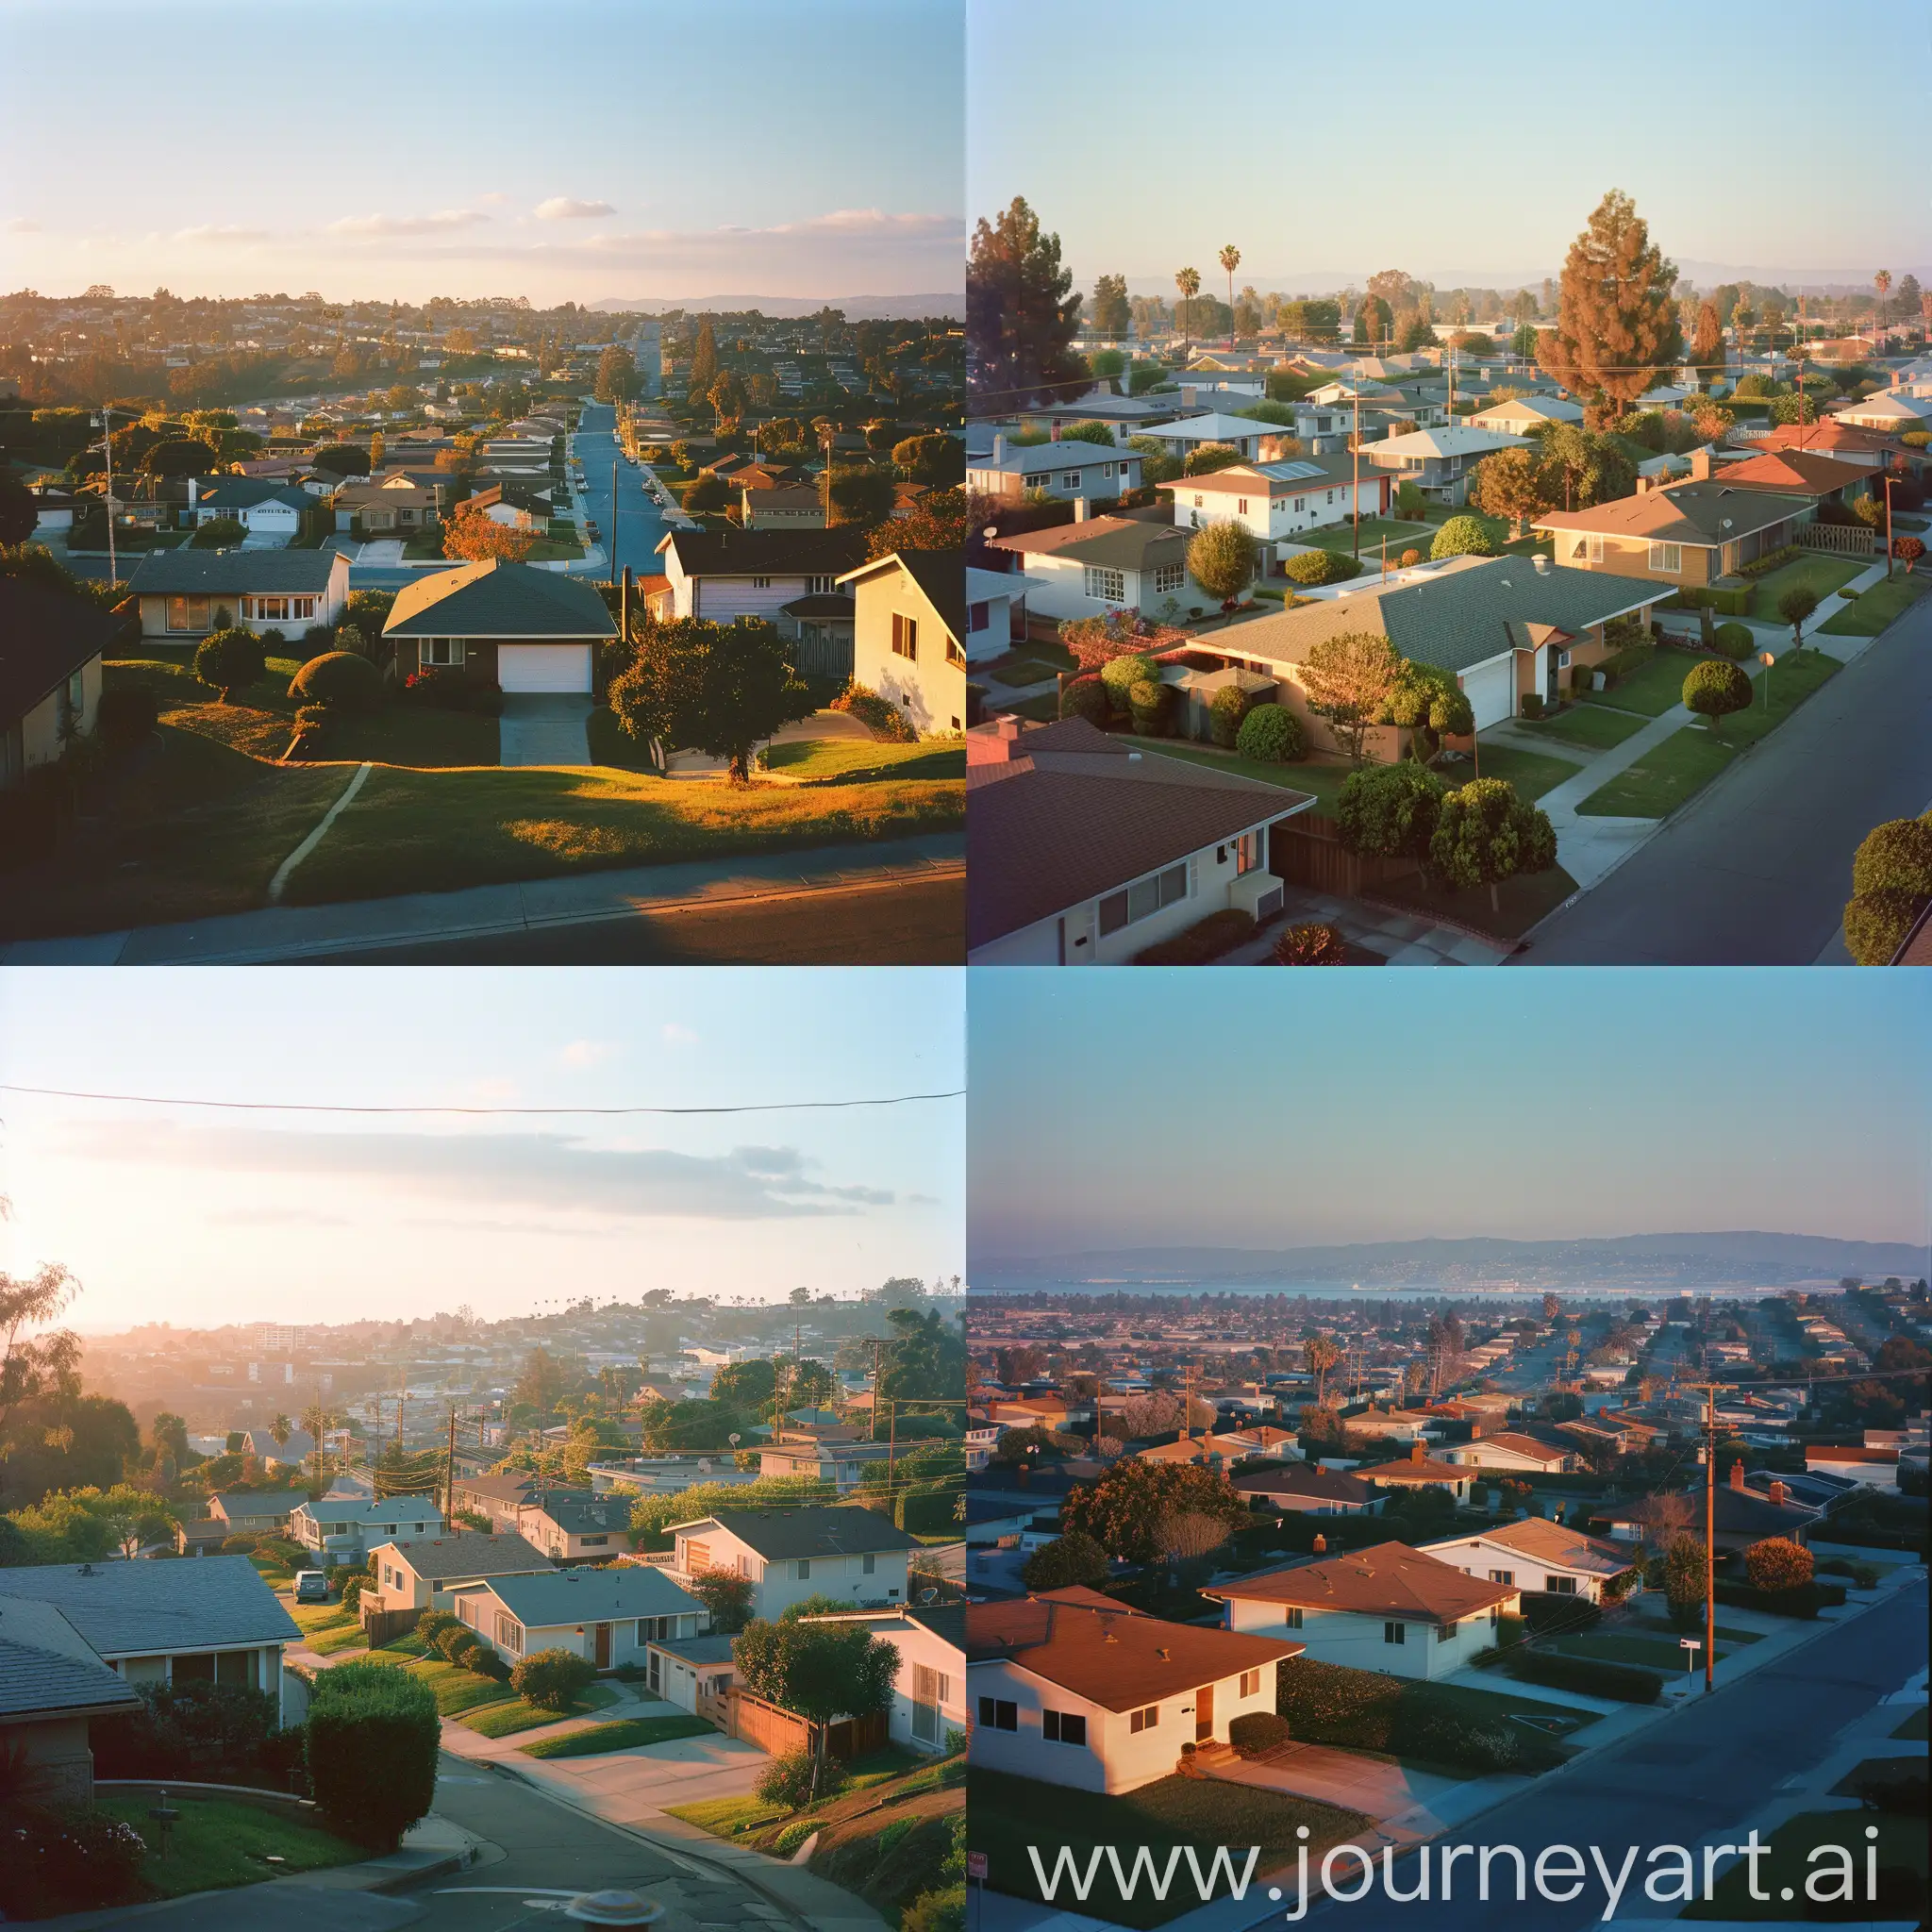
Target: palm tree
(1188,282)
(281,1429)
(1230,260)
(1321,1352)
(1882,282)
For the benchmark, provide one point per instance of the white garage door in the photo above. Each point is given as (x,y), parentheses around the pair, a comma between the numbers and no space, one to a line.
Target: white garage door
(1491,690)
(544,667)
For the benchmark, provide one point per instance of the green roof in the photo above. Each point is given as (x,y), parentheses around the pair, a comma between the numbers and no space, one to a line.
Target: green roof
(499,599)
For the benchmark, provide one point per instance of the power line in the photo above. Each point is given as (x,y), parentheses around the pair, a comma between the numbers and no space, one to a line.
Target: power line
(318,1106)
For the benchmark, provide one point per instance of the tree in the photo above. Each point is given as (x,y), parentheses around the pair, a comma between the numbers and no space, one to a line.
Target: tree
(1188,280)
(940,520)
(1322,1353)
(1348,678)
(473,537)
(1067,1560)
(1708,346)
(704,360)
(228,658)
(934,458)
(859,495)
(1511,484)
(617,376)
(820,1672)
(1684,1579)
(179,455)
(1389,811)
(342,460)
(1230,260)
(1715,689)
(1882,283)
(1585,468)
(1121,1510)
(1795,607)
(719,689)
(1891,886)
(1221,558)
(1021,315)
(1485,834)
(541,1385)
(1463,536)
(1778,1564)
(1112,314)
(727,1596)
(1617,331)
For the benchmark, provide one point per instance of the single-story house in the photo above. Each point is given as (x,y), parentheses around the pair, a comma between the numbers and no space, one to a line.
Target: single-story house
(1804,473)
(995,613)
(1309,1490)
(1125,415)
(52,1681)
(1740,1516)
(929,1691)
(210,1622)
(384,508)
(1097,564)
(184,593)
(51,647)
(415,1575)
(1891,414)
(779,507)
(1243,434)
(788,1554)
(1417,1470)
(691,1672)
(342,1528)
(1387,1608)
(606,1616)
(1525,415)
(1438,461)
(255,1513)
(1077,470)
(269,510)
(1071,1687)
(908,636)
(1085,852)
(1510,1452)
(1537,1556)
(510,625)
(1277,501)
(721,575)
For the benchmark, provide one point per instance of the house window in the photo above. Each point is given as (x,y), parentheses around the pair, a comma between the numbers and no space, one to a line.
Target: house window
(442,651)
(1240,506)
(1507,1576)
(1063,1727)
(1251,1683)
(1666,557)
(905,635)
(1200,502)
(762,583)
(592,1541)
(1070,479)
(867,1565)
(1444,1632)
(1169,576)
(186,613)
(803,1568)
(509,1634)
(1247,852)
(999,1714)
(1292,1617)
(819,587)
(1393,1632)
(1143,899)
(1560,1586)
(1110,586)
(979,617)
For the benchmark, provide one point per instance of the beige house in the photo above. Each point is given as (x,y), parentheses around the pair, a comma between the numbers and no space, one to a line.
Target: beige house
(777,506)
(51,646)
(908,636)
(418,1574)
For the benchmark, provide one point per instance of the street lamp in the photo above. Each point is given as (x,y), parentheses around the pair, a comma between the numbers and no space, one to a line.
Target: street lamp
(1767,659)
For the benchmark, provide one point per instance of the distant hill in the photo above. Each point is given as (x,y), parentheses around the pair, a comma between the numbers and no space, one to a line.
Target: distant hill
(1743,1258)
(858,307)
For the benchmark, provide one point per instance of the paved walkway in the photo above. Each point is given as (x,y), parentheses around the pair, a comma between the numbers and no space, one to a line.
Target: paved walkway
(360,925)
(543,728)
(1401,939)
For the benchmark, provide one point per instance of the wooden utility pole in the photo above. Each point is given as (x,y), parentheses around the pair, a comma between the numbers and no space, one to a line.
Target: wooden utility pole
(449,1475)
(1355,442)
(1711,1390)
(613,519)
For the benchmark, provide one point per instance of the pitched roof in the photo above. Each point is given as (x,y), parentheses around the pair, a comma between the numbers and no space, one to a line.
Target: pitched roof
(246,493)
(580,1513)
(938,575)
(1544,409)
(1796,472)
(1069,453)
(259,1502)
(238,570)
(1413,1469)
(1213,426)
(48,1669)
(1306,1479)
(1112,1657)
(766,553)
(1281,476)
(1453,439)
(497,598)
(45,637)
(141,1609)
(1117,542)
(358,1509)
(1076,815)
(1385,1580)
(1521,1445)
(468,1556)
(573,1596)
(812,1531)
(1709,513)
(1551,1542)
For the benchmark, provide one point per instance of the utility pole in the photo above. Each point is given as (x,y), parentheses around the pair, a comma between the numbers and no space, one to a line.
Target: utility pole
(613,519)
(1355,442)
(1711,1392)
(449,1478)
(108,447)
(1887,527)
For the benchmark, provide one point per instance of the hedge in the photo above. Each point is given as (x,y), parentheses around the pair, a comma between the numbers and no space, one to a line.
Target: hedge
(1364,1710)
(1589,1675)
(1255,1731)
(372,1739)
(340,677)
(1207,939)
(1320,567)
(1545,1610)
(1806,1601)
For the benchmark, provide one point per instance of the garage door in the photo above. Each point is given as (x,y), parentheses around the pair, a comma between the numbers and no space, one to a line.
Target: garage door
(1491,690)
(544,667)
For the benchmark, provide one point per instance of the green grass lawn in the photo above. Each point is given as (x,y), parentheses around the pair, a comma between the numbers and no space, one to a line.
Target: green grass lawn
(1594,725)
(729,1817)
(1323,781)
(1822,571)
(458,1690)
(852,760)
(1341,538)
(1652,689)
(1876,608)
(338,1637)
(1619,1647)
(1900,1842)
(1794,679)
(218,1843)
(1531,774)
(628,1734)
(1011,1813)
(1662,779)
(507,1717)
(1914,1726)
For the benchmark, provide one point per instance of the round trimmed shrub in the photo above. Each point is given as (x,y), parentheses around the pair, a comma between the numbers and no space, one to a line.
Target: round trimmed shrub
(1150,702)
(1777,1563)
(1224,716)
(340,677)
(1410,558)
(1086,697)
(226,661)
(1255,1731)
(1463,536)
(1119,675)
(787,1780)
(1272,734)
(452,1640)
(1877,924)
(432,1623)
(1895,857)
(1733,640)
(1311,945)
(1715,689)
(1320,567)
(126,715)
(552,1680)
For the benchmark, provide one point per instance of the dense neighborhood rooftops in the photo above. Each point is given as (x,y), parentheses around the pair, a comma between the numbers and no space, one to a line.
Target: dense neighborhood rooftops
(497,598)
(45,637)
(1385,1580)
(778,1535)
(580,1513)
(1073,813)
(1706,513)
(1306,1480)
(765,553)
(1112,1657)
(576,1596)
(1106,543)
(146,1608)
(208,572)
(432,1558)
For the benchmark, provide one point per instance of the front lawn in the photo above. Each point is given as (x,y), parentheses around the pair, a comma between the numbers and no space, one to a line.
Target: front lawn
(1520,902)
(1323,781)
(1819,569)
(219,1841)
(339,1636)
(1341,538)
(458,1690)
(612,745)
(1652,689)
(1593,726)
(1901,1841)
(506,1717)
(1011,1813)
(1873,609)
(1531,773)
(853,760)
(628,1734)
(1792,679)
(728,1817)
(1662,779)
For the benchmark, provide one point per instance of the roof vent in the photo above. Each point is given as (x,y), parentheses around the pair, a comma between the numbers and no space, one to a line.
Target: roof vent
(1541,566)
(1133,758)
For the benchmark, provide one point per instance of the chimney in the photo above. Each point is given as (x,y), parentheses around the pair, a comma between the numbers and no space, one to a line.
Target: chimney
(1319,1545)
(1701,464)
(193,491)
(1080,509)
(1415,1450)
(999,451)
(1779,1494)
(1738,1474)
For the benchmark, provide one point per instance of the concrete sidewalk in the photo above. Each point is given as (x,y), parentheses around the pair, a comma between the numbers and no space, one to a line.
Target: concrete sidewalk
(314,932)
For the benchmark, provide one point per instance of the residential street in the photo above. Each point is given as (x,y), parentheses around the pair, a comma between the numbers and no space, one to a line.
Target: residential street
(637,529)
(1755,870)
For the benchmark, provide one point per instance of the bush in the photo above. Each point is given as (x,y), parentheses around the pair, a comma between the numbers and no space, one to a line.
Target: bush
(226,661)
(217,1734)
(1733,640)
(1257,1731)
(1320,567)
(340,677)
(431,1625)
(1531,703)
(1770,561)
(1806,1601)
(882,718)
(1777,1563)
(1086,697)
(1409,558)
(1463,536)
(372,1739)
(60,1861)
(1119,675)
(1589,1675)
(1311,945)
(787,1780)
(1224,716)
(446,688)
(1207,939)
(1151,703)
(552,1680)
(1272,734)
(1715,689)
(1066,1559)
(125,716)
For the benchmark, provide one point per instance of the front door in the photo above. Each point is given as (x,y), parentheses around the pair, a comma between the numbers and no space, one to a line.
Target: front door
(1204,1713)
(1551,656)
(603,1631)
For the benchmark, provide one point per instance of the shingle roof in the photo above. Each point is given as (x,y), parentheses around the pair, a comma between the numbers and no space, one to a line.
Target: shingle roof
(779,1534)
(235,571)
(246,493)
(766,553)
(578,1512)
(499,599)
(571,1596)
(1523,1445)
(1550,1542)
(45,637)
(259,1502)
(355,1509)
(1117,542)
(1385,1580)
(1298,1479)
(1453,440)
(1707,513)
(1798,472)
(1068,452)
(145,1609)
(435,1558)
(37,1683)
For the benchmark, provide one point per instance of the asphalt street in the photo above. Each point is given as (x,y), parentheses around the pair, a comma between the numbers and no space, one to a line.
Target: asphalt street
(1755,870)
(637,529)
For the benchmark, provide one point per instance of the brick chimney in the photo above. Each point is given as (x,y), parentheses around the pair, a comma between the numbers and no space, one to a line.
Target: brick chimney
(1779,1495)
(1415,1450)
(1738,1474)
(1701,464)
(1319,1545)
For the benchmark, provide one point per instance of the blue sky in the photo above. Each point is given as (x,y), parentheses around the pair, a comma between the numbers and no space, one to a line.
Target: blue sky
(1452,143)
(1121,1109)
(613,148)
(197,1217)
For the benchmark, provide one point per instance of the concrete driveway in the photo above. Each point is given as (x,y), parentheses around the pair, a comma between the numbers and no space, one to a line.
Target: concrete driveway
(1398,1799)
(544,728)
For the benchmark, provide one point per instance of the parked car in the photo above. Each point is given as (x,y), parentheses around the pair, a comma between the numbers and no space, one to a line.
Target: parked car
(312,1587)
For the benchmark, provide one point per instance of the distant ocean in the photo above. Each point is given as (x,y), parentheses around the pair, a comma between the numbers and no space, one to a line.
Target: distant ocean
(1333,1290)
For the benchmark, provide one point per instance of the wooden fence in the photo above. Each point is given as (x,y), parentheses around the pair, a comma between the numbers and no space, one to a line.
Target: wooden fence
(780,1732)
(385,1626)
(818,656)
(1307,850)
(1842,540)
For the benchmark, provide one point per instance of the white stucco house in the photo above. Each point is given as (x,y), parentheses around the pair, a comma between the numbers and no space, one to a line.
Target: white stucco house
(929,1693)
(606,1616)
(1097,564)
(1277,501)
(182,594)
(1537,1555)
(854,1555)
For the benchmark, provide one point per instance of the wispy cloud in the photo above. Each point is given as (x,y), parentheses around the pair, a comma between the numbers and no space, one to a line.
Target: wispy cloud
(560,207)
(589,1053)
(19,225)
(275,1217)
(222,235)
(437,223)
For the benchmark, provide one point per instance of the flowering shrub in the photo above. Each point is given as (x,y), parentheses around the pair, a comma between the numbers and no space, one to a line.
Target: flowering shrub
(879,716)
(1097,640)
(1311,945)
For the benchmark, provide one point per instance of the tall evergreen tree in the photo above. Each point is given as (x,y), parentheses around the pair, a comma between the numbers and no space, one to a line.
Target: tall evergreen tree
(1708,346)
(1617,330)
(1112,314)
(704,359)
(1021,313)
